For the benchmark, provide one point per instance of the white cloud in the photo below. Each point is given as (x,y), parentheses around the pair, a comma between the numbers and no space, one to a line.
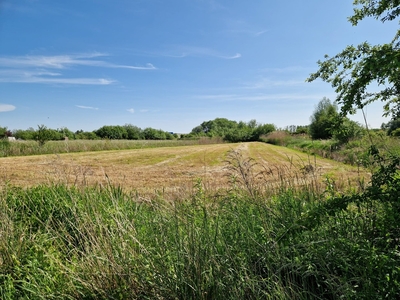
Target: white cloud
(37,69)
(78,81)
(259,97)
(65,61)
(264,83)
(193,51)
(86,107)
(131,110)
(237,55)
(6,107)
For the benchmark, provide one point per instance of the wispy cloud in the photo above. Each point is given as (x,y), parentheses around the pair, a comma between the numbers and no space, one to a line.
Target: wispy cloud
(265,83)
(131,110)
(248,32)
(237,55)
(65,61)
(32,77)
(6,107)
(87,107)
(193,51)
(258,97)
(40,69)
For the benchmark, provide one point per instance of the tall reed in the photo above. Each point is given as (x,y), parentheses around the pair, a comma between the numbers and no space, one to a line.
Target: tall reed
(255,240)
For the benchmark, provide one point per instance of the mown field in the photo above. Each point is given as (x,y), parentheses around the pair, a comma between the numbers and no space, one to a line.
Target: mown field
(218,221)
(169,169)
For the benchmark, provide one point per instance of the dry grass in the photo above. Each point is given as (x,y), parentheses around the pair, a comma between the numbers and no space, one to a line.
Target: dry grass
(168,170)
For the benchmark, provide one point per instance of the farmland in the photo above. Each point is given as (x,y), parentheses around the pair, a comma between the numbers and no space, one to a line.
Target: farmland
(215,221)
(164,168)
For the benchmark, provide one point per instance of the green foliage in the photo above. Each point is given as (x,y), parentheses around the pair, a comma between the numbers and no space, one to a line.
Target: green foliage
(156,134)
(278,137)
(133,132)
(112,132)
(3,131)
(347,130)
(78,145)
(396,132)
(300,242)
(297,129)
(392,126)
(323,120)
(85,135)
(354,70)
(26,135)
(232,131)
(66,133)
(43,134)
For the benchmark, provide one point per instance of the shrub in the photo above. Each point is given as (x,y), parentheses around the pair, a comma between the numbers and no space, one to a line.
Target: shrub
(279,138)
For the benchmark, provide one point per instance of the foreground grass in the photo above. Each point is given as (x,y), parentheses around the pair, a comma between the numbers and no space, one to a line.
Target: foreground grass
(308,242)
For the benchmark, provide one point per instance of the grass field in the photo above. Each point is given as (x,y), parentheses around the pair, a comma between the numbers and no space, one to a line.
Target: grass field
(167,169)
(247,221)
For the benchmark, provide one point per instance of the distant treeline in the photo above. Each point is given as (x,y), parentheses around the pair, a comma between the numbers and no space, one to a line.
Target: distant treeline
(228,130)
(231,131)
(112,132)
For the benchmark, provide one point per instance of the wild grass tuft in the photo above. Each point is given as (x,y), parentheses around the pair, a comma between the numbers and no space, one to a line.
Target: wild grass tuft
(256,240)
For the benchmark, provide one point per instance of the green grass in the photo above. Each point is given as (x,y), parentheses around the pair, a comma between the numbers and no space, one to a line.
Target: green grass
(22,148)
(304,242)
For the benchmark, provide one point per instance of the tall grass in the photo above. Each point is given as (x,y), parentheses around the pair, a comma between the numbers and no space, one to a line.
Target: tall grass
(296,242)
(21,148)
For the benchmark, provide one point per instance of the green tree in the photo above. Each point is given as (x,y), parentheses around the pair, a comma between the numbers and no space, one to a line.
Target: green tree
(392,126)
(112,132)
(323,120)
(28,134)
(133,132)
(3,131)
(42,135)
(354,70)
(217,127)
(86,135)
(155,134)
(66,133)
(262,129)
(347,130)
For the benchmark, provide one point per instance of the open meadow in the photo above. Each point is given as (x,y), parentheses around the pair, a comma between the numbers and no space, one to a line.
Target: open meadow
(172,169)
(217,221)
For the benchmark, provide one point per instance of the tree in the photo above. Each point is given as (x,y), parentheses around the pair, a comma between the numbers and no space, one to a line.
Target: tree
(392,126)
(3,131)
(347,130)
(42,135)
(217,127)
(352,71)
(262,129)
(133,132)
(28,134)
(112,132)
(66,133)
(323,120)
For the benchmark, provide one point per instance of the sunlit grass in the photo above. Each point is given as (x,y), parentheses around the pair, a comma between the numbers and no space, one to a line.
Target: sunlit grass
(20,148)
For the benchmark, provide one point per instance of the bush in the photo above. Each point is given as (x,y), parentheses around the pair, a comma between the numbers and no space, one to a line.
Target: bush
(279,138)
(323,120)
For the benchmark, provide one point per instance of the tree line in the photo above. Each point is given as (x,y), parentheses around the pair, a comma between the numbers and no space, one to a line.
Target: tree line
(114,132)
(326,122)
(228,130)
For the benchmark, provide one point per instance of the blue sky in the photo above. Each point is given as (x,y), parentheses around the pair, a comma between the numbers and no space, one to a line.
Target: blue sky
(170,64)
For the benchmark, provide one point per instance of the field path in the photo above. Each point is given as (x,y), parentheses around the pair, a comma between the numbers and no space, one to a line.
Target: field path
(162,169)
